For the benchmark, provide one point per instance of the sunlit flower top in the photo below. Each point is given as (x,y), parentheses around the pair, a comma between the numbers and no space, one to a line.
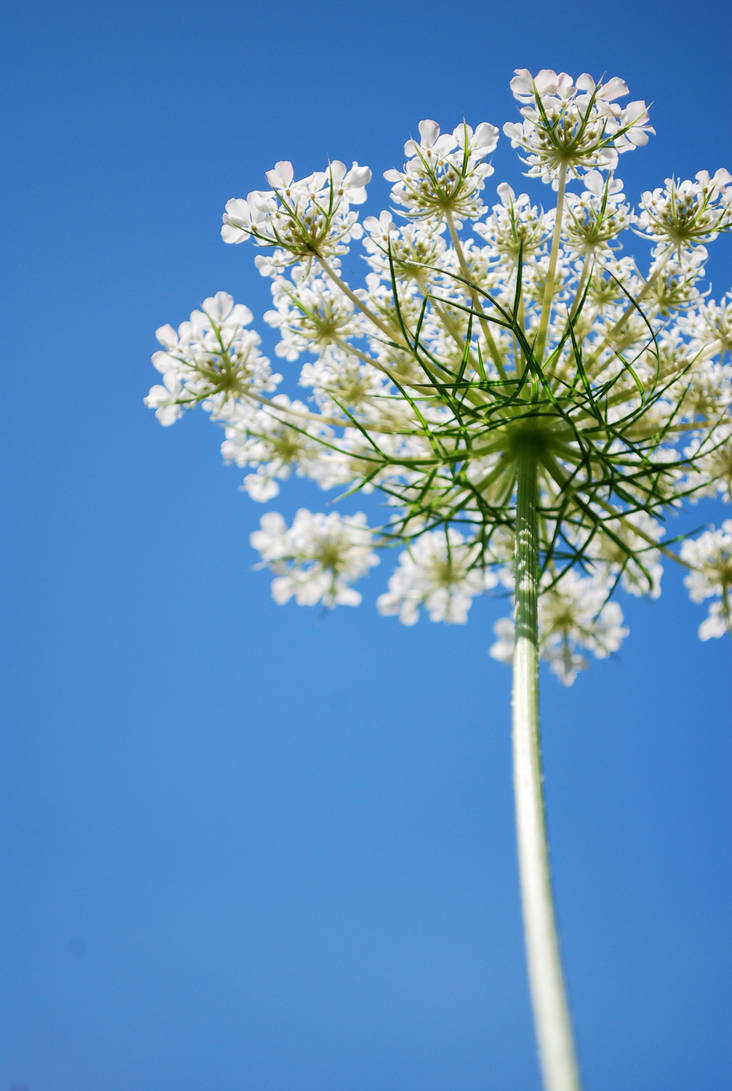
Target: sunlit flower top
(572,125)
(300,218)
(686,215)
(444,173)
(486,332)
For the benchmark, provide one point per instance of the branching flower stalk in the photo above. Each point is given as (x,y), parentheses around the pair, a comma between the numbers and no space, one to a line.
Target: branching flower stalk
(529,405)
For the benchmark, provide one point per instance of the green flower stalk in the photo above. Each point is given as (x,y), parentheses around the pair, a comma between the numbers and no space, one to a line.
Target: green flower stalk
(529,405)
(553,1029)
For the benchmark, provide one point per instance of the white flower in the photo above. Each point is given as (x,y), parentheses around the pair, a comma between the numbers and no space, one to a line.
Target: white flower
(629,554)
(212,359)
(164,399)
(684,215)
(577,126)
(300,220)
(515,225)
(342,379)
(710,556)
(597,216)
(310,316)
(276,439)
(409,249)
(710,326)
(574,617)
(316,558)
(444,173)
(441,572)
(673,284)
(463,350)
(710,455)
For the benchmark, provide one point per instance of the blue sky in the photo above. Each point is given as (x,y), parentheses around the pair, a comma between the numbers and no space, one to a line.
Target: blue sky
(262,848)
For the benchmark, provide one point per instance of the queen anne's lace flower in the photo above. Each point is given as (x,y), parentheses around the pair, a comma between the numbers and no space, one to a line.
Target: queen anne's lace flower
(444,172)
(310,316)
(409,250)
(212,359)
(684,215)
(574,617)
(267,440)
(673,284)
(344,380)
(710,557)
(531,406)
(710,455)
(575,126)
(709,326)
(317,558)
(526,335)
(597,216)
(301,219)
(630,555)
(515,226)
(441,572)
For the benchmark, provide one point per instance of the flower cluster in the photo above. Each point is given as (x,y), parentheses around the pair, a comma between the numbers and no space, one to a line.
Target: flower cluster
(485,339)
(317,558)
(440,571)
(597,216)
(310,317)
(574,126)
(574,617)
(444,173)
(685,215)
(515,228)
(300,219)
(710,558)
(212,358)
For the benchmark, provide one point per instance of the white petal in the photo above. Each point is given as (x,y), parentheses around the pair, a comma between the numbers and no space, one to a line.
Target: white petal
(428,131)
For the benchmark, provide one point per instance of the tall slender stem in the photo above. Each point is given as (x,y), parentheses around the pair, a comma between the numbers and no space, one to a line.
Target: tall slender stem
(551,1015)
(546,307)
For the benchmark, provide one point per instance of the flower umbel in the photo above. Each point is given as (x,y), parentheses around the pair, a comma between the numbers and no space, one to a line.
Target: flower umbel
(573,125)
(444,173)
(317,557)
(212,359)
(300,219)
(710,559)
(461,353)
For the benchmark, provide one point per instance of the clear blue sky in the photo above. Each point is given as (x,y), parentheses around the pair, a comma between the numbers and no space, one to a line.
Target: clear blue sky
(255,848)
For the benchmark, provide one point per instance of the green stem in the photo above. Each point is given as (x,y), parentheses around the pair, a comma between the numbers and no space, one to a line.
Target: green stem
(391,335)
(629,310)
(551,1015)
(465,273)
(551,274)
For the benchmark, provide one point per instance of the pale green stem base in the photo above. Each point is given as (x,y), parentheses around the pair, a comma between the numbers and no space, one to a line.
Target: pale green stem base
(551,1015)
